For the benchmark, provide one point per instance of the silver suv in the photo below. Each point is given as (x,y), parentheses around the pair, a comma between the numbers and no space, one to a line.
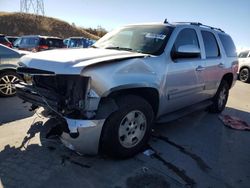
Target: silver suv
(107,97)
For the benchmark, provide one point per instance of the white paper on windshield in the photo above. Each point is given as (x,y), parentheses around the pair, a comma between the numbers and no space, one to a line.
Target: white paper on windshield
(155,36)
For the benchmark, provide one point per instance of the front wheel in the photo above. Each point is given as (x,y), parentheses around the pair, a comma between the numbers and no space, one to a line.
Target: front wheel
(126,131)
(220,98)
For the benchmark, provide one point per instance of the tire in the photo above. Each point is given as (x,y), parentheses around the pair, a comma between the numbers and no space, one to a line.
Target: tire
(127,130)
(220,98)
(244,75)
(7,80)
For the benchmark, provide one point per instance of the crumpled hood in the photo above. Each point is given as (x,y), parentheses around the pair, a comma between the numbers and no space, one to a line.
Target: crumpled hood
(72,61)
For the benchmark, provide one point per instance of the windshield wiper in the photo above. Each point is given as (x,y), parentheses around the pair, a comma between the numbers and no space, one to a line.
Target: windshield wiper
(93,46)
(118,48)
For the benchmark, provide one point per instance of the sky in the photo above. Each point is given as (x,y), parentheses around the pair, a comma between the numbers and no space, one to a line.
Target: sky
(230,15)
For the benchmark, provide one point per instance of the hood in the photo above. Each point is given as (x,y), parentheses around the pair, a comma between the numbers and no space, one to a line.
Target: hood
(72,61)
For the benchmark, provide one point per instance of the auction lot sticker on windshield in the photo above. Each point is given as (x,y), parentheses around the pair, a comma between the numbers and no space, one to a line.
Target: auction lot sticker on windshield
(155,36)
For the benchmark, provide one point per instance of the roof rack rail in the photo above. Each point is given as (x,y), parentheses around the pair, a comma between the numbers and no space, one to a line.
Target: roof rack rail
(191,23)
(201,25)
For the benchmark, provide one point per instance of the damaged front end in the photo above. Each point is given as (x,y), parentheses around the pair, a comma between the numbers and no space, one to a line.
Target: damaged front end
(69,98)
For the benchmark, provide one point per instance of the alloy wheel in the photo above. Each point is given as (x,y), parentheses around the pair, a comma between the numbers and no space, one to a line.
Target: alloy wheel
(7,86)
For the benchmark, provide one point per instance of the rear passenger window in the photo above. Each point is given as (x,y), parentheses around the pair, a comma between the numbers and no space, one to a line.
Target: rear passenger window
(228,45)
(211,45)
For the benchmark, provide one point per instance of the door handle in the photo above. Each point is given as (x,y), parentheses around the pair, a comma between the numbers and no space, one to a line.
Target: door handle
(200,68)
(221,65)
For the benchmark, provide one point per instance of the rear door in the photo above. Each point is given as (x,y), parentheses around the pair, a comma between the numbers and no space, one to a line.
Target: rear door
(8,56)
(213,62)
(185,78)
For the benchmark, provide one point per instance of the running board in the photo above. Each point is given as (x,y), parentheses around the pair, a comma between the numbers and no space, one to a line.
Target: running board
(183,112)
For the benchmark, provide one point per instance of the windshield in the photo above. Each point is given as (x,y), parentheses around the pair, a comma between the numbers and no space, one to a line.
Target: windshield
(148,39)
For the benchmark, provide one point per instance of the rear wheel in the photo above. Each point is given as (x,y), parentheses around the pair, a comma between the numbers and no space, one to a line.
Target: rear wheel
(244,75)
(126,131)
(220,98)
(7,81)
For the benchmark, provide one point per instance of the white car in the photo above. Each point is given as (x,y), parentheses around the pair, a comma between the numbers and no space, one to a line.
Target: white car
(244,66)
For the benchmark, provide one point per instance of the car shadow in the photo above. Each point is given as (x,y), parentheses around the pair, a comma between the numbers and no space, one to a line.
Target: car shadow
(13,108)
(37,162)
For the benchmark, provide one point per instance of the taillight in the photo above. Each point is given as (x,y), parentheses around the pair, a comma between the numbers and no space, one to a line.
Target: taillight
(43,47)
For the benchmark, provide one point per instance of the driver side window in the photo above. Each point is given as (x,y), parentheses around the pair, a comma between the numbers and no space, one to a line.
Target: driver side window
(186,37)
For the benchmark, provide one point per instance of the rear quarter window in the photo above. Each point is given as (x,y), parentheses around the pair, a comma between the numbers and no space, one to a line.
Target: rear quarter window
(228,45)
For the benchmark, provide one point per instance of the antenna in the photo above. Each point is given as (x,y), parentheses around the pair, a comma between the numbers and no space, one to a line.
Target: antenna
(32,6)
(165,21)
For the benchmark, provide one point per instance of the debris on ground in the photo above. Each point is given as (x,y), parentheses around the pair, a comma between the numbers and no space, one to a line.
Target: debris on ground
(234,122)
(144,169)
(148,152)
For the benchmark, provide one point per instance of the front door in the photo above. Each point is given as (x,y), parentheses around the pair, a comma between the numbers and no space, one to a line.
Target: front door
(184,83)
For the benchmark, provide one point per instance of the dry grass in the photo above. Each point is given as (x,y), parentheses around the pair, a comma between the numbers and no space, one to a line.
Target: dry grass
(28,24)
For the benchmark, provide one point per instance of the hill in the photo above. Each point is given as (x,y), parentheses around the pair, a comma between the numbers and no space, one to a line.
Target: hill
(28,24)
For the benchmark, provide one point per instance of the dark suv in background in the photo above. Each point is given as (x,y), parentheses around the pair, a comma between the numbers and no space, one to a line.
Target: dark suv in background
(36,43)
(78,42)
(5,41)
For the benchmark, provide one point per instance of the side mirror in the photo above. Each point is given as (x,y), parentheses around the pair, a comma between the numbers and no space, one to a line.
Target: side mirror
(187,51)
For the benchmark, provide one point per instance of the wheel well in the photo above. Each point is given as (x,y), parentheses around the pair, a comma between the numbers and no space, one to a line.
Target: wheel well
(149,94)
(9,69)
(229,78)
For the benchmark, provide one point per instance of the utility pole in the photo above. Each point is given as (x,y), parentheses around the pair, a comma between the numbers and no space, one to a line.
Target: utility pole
(32,6)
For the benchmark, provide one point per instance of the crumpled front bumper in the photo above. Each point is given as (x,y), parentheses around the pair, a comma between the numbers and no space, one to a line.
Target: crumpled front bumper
(88,133)
(81,135)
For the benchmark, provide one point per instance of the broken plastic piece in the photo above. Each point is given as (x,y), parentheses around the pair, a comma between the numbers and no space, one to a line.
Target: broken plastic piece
(148,152)
(234,122)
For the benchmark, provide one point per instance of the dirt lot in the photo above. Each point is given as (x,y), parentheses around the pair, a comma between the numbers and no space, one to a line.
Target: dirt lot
(194,151)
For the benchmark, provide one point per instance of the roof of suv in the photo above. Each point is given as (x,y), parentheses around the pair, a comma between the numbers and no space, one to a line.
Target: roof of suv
(175,24)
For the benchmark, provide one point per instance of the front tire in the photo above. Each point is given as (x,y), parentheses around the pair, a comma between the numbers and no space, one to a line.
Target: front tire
(244,75)
(220,98)
(126,131)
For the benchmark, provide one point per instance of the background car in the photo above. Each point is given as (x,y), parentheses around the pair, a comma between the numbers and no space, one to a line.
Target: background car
(244,66)
(78,42)
(5,41)
(12,39)
(36,43)
(8,64)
